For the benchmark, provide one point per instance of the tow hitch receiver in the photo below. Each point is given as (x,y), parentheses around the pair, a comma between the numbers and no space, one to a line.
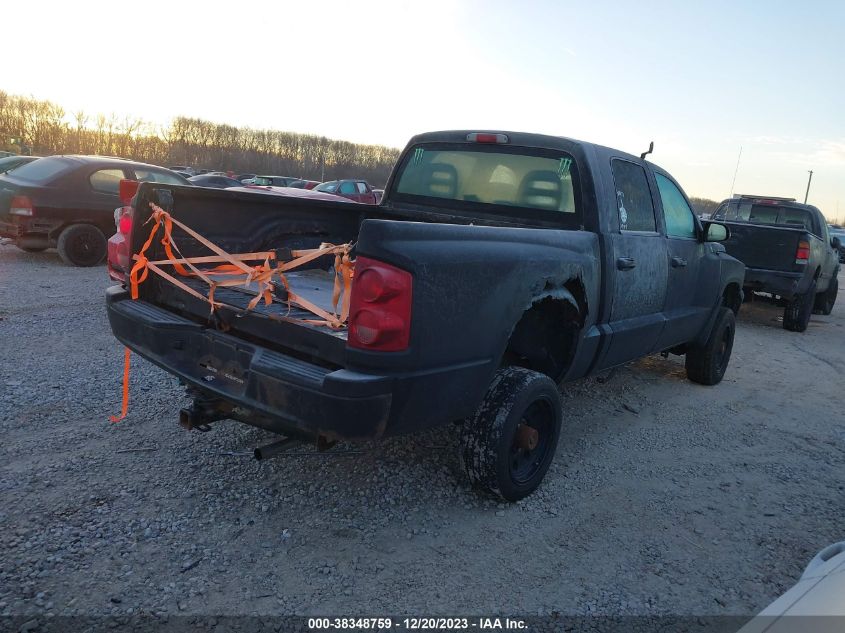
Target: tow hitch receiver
(202,413)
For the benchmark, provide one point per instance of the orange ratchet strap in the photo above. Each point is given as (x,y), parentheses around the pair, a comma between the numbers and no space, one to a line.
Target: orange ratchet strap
(241,274)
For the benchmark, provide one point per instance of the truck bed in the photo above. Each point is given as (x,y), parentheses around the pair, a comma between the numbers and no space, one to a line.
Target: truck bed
(317,286)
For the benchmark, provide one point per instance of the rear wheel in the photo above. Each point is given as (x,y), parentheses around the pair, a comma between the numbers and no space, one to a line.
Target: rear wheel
(706,364)
(826,300)
(82,245)
(507,447)
(796,314)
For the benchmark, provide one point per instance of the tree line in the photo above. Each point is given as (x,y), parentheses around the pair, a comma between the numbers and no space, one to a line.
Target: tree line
(44,128)
(704,205)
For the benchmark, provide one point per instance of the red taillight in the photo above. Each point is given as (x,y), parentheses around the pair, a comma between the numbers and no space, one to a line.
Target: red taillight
(119,244)
(20,205)
(380,307)
(803,252)
(124,225)
(483,137)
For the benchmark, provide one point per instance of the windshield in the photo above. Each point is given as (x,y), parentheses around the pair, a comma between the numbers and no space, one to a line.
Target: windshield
(264,181)
(43,169)
(748,211)
(485,177)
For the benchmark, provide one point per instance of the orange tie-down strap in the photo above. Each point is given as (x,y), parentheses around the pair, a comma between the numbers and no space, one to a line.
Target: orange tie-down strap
(236,272)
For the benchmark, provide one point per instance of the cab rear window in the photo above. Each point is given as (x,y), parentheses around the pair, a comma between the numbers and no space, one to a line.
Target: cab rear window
(742,211)
(488,178)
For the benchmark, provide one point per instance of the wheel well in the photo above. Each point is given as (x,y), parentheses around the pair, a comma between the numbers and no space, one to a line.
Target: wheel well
(546,336)
(732,297)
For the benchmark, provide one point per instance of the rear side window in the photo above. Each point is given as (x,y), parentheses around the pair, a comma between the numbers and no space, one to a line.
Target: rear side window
(362,188)
(633,197)
(676,211)
(149,175)
(107,180)
(43,169)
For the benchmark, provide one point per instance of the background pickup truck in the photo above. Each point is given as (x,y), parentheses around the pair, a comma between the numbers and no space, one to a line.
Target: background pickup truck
(788,252)
(498,265)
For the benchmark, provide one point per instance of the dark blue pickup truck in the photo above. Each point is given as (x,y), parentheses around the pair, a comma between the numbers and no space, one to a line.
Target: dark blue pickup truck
(788,252)
(498,266)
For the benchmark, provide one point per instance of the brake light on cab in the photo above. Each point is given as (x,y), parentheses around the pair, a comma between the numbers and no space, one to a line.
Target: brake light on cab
(119,244)
(21,205)
(802,254)
(380,307)
(487,137)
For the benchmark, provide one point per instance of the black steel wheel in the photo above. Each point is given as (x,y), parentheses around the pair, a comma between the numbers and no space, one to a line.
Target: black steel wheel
(82,245)
(827,299)
(508,446)
(706,364)
(796,313)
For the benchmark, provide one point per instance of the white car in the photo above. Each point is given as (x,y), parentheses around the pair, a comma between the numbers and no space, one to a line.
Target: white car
(819,592)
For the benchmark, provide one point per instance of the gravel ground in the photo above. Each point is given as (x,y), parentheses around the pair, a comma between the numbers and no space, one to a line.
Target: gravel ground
(665,498)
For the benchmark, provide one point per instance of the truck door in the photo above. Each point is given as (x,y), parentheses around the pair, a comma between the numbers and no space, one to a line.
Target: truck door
(692,290)
(639,276)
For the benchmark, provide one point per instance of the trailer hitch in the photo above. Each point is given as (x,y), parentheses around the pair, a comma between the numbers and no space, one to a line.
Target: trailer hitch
(202,413)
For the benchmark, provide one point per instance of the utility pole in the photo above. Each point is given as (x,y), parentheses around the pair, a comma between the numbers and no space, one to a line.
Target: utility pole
(806,195)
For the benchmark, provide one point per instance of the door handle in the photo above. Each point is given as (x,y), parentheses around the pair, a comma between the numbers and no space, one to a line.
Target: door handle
(679,262)
(626,263)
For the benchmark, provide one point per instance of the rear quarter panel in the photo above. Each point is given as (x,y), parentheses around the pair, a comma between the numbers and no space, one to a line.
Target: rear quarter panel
(471,286)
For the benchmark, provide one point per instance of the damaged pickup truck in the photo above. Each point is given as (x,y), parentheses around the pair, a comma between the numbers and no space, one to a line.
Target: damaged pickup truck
(498,266)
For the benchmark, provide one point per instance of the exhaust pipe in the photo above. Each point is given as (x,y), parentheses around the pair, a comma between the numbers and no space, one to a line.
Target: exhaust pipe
(271,450)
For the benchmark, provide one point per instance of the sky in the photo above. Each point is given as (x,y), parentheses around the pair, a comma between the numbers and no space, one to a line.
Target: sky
(700,79)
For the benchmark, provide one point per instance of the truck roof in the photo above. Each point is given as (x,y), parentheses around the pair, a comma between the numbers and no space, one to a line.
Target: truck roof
(528,139)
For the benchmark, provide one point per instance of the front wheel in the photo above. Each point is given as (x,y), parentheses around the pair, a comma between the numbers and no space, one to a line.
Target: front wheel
(706,364)
(507,447)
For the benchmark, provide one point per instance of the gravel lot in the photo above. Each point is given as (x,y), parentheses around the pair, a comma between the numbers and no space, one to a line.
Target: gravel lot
(665,498)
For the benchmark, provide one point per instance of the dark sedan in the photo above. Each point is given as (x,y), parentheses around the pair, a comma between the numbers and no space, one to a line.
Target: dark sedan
(216,182)
(68,202)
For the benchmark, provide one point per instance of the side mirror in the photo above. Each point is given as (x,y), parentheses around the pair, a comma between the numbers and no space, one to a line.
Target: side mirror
(716,233)
(836,243)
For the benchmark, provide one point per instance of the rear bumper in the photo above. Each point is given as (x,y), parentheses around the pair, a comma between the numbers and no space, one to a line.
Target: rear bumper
(784,284)
(17,226)
(271,390)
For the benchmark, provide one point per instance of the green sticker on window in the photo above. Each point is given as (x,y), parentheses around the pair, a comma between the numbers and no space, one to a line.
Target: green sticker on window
(563,166)
(418,155)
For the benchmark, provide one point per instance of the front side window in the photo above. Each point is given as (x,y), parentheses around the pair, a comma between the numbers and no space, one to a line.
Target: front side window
(347,187)
(107,180)
(676,211)
(483,178)
(633,197)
